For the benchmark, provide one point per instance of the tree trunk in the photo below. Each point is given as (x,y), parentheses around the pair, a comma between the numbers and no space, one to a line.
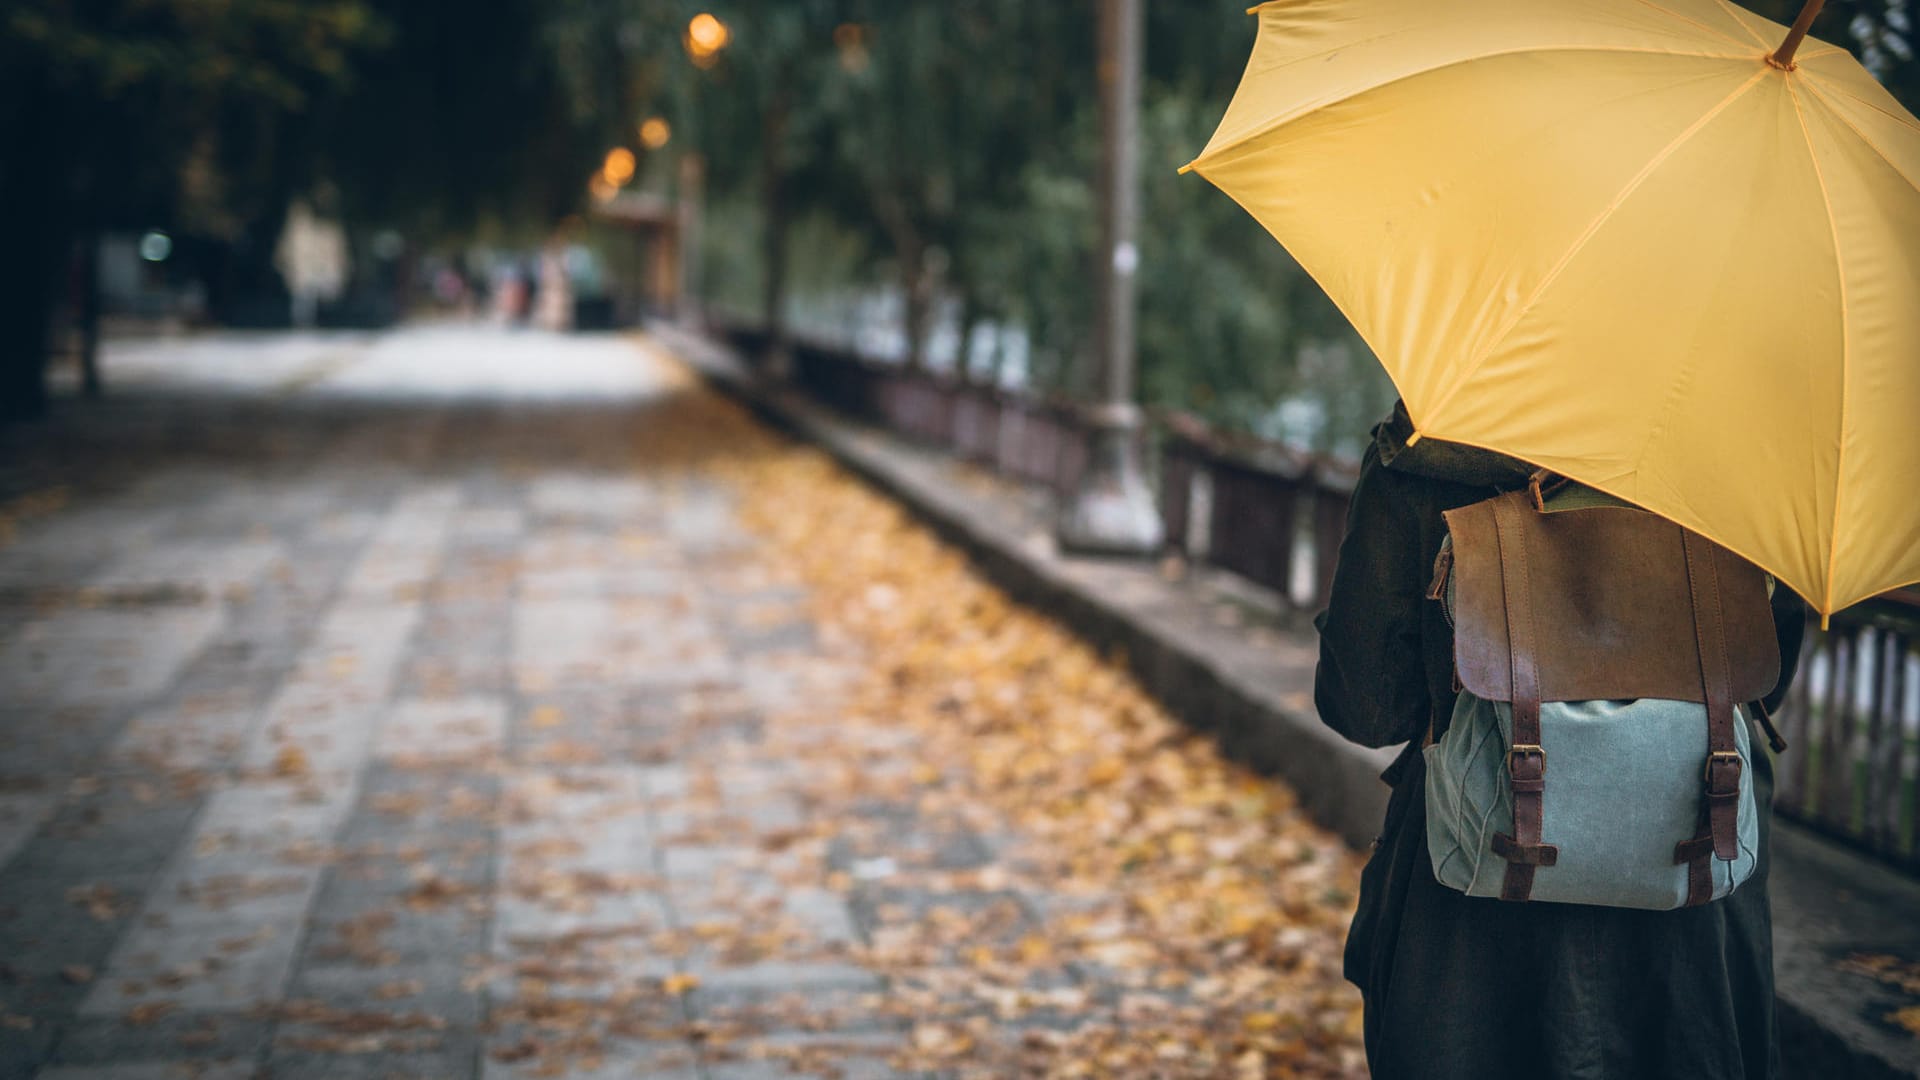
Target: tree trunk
(915,282)
(918,282)
(87,314)
(23,338)
(773,301)
(40,247)
(969,316)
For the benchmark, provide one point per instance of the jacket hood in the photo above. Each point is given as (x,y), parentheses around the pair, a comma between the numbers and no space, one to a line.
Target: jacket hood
(1439,459)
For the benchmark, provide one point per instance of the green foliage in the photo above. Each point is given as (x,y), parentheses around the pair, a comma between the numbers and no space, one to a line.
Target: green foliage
(960,141)
(122,113)
(942,150)
(1229,325)
(462,120)
(156,100)
(149,55)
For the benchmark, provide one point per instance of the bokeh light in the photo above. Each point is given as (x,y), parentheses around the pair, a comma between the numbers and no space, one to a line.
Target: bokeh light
(706,36)
(851,41)
(619,166)
(155,246)
(654,132)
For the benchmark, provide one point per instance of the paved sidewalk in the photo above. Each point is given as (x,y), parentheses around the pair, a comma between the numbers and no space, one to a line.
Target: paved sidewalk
(354,725)
(398,707)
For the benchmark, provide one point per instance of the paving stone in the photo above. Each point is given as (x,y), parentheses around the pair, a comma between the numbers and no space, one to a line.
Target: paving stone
(583,496)
(488,523)
(401,913)
(824,912)
(53,921)
(196,733)
(780,975)
(437,989)
(22,1052)
(417,812)
(173,1039)
(619,1059)
(21,815)
(574,726)
(219,959)
(269,812)
(103,656)
(852,1056)
(787,1008)
(427,732)
(153,1070)
(707,863)
(427,1055)
(207,568)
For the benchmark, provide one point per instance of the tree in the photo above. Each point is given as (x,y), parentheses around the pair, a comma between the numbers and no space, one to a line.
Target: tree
(121,111)
(464,117)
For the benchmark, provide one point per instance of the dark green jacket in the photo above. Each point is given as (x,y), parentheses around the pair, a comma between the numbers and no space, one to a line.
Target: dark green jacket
(1480,989)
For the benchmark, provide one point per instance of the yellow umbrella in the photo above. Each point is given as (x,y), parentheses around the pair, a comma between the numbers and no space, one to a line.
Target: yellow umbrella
(1643,243)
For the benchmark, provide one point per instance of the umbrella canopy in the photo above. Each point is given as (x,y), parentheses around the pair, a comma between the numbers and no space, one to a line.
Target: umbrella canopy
(1617,239)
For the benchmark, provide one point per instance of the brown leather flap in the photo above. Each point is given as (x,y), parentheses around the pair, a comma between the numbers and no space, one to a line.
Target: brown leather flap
(1611,615)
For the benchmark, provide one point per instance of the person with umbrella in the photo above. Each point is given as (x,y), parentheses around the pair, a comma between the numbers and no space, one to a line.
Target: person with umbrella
(1667,249)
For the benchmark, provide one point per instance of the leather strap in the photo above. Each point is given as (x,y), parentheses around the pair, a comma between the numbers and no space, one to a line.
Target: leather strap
(1719,836)
(1697,854)
(1526,758)
(1758,710)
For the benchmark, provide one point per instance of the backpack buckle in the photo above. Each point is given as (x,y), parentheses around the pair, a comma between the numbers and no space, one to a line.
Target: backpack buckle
(1519,752)
(1722,773)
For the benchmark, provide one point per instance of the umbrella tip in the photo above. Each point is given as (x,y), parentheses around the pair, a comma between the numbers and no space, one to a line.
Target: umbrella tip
(1187,168)
(1413,438)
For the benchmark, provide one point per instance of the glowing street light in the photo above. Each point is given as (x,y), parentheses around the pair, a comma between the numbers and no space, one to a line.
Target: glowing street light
(654,132)
(619,166)
(706,36)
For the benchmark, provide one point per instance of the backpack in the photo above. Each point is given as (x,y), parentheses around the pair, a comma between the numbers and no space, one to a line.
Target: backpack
(1597,752)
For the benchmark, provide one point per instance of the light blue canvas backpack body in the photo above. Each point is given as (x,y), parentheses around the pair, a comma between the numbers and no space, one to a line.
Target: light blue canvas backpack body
(1598,752)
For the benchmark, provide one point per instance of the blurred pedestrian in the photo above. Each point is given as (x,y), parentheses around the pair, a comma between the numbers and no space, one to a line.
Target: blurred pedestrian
(312,260)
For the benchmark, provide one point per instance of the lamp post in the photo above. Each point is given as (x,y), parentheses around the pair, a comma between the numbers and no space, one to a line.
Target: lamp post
(1112,511)
(688,208)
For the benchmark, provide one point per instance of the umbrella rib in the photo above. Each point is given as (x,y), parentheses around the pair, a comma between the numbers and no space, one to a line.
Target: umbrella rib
(1846,340)
(1734,14)
(1865,138)
(1904,121)
(1580,242)
(1324,53)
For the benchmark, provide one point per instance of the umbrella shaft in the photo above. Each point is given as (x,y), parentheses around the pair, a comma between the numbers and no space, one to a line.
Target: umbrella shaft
(1783,57)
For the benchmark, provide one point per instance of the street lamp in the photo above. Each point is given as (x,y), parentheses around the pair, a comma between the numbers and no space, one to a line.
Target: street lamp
(706,36)
(619,166)
(1112,511)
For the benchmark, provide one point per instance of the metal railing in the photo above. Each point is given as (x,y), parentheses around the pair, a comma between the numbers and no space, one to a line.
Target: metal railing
(1275,517)
(1853,722)
(1258,509)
